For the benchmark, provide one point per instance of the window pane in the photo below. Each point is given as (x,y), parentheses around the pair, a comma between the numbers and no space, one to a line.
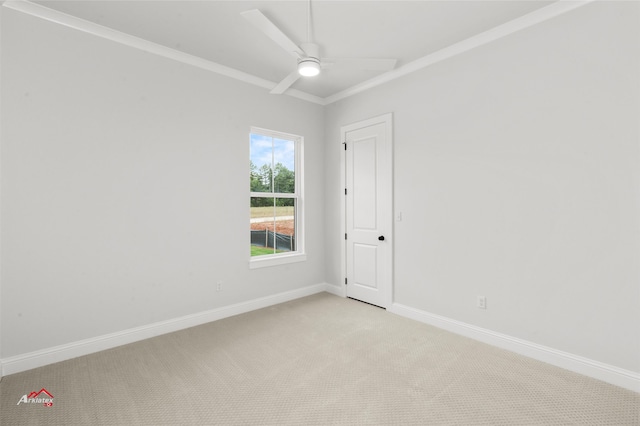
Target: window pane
(285,224)
(261,163)
(261,224)
(272,226)
(284,156)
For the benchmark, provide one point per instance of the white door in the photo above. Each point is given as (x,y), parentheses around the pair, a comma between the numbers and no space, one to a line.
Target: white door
(368,211)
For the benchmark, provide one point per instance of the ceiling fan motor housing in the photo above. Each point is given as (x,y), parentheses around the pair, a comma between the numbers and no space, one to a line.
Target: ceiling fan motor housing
(309,65)
(311,50)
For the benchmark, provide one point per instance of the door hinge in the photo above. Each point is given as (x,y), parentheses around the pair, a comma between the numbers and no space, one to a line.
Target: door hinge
(345,145)
(345,235)
(345,281)
(345,191)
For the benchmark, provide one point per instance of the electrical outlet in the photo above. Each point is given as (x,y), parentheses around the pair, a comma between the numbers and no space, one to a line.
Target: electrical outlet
(482,302)
(219,286)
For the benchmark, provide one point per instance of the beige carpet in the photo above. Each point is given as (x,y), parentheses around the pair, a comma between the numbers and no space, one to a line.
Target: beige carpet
(319,360)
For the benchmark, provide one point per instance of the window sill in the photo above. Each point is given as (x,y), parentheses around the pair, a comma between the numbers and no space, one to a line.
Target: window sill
(275,260)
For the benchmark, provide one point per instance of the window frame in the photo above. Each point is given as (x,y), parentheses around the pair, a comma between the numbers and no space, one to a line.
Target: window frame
(299,254)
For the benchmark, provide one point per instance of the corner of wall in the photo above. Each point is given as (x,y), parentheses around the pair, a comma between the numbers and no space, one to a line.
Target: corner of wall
(1,375)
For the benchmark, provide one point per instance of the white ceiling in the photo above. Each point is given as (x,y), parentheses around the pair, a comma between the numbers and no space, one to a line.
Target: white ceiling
(215,30)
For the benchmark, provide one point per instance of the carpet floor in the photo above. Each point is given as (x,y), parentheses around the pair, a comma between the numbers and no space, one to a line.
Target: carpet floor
(319,360)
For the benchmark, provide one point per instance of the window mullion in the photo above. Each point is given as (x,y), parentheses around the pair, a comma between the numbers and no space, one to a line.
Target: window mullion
(273,166)
(273,194)
(274,225)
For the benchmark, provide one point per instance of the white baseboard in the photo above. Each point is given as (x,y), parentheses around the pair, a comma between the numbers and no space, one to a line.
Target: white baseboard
(337,290)
(587,367)
(16,364)
(607,373)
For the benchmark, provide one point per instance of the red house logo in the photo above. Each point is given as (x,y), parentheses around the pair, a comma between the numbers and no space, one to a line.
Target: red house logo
(41,397)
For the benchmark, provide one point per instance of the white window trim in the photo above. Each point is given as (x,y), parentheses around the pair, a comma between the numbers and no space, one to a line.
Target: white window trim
(299,255)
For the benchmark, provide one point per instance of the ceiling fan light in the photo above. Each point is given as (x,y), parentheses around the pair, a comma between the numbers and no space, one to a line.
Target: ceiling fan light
(309,67)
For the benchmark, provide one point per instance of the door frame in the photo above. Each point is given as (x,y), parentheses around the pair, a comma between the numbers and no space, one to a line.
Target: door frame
(387,120)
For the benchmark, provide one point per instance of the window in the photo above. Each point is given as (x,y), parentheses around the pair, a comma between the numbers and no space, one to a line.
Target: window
(275,198)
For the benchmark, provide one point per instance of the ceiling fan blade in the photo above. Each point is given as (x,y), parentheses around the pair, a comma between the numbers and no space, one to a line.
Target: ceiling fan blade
(286,83)
(261,22)
(362,63)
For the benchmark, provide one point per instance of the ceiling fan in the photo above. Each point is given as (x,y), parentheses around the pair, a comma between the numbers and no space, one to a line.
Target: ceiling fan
(309,62)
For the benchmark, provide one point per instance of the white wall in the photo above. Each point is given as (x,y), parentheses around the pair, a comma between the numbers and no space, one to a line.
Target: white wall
(125,185)
(516,172)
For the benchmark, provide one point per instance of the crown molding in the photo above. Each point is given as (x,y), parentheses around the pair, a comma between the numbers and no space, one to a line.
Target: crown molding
(98,30)
(555,9)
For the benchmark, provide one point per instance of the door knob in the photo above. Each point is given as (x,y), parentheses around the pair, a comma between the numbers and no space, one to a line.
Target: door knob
(381,238)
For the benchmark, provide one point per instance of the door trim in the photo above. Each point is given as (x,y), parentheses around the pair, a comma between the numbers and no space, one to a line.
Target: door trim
(387,120)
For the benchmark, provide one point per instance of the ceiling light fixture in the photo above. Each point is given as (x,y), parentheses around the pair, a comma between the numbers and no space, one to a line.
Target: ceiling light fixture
(309,67)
